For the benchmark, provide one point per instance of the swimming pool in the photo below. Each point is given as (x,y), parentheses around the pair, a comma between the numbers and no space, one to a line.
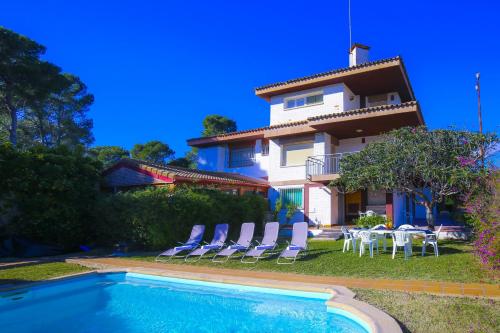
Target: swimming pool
(130,302)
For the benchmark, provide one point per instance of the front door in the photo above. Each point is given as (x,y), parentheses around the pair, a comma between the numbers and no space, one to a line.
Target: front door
(352,205)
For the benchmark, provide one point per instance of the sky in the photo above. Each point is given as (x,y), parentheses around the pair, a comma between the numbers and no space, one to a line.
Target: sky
(157,68)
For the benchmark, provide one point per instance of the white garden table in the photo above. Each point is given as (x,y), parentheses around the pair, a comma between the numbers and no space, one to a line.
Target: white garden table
(354,232)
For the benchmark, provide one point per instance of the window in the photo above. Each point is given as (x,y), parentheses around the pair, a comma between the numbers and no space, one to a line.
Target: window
(241,156)
(377,100)
(314,99)
(297,102)
(265,149)
(291,196)
(295,154)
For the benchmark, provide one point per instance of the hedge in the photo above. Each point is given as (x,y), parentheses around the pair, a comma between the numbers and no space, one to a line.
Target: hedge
(51,196)
(155,218)
(48,195)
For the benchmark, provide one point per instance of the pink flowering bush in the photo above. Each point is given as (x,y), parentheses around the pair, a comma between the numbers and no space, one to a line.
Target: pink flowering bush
(482,207)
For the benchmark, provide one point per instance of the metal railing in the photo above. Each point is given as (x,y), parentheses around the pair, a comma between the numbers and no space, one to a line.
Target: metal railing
(323,164)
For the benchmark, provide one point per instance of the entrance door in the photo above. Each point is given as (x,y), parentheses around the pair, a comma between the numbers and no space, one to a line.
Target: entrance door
(352,205)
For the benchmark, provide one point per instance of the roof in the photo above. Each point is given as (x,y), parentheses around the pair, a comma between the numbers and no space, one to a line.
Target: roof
(175,174)
(309,124)
(362,79)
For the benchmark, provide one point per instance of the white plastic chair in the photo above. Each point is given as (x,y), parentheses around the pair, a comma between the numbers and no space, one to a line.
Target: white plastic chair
(405,226)
(432,239)
(370,213)
(401,239)
(366,238)
(348,239)
(380,235)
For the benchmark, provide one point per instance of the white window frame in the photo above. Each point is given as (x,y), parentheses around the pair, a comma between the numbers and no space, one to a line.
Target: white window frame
(304,97)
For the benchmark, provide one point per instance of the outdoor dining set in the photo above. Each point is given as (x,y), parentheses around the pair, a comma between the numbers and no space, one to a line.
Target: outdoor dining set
(402,237)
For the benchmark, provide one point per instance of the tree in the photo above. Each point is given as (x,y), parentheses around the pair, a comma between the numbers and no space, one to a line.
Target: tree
(23,76)
(61,117)
(216,124)
(108,155)
(180,162)
(38,103)
(153,151)
(426,165)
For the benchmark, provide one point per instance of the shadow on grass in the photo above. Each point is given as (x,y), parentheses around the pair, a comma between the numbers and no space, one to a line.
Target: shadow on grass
(6,284)
(21,262)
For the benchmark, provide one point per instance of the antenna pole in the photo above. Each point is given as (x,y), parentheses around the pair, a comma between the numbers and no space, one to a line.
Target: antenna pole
(350,25)
(479,116)
(478,89)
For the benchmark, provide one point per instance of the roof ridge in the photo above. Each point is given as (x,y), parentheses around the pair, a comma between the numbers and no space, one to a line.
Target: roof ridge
(334,71)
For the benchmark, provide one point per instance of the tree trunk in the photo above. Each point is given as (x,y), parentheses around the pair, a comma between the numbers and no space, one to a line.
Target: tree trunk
(13,119)
(429,216)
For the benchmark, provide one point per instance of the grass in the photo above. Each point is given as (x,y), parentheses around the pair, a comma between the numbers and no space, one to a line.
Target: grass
(414,311)
(419,313)
(38,272)
(456,263)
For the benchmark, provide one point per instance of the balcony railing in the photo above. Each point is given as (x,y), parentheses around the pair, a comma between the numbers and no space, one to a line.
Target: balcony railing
(321,165)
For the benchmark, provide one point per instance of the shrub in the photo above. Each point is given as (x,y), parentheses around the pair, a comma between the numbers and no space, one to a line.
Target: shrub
(370,221)
(49,194)
(482,206)
(155,218)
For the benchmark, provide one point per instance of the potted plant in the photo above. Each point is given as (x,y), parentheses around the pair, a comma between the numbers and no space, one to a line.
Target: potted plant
(290,211)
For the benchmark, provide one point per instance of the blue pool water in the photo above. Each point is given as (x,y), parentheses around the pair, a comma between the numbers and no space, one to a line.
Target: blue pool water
(130,302)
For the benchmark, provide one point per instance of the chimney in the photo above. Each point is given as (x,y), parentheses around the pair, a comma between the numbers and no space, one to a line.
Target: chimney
(358,54)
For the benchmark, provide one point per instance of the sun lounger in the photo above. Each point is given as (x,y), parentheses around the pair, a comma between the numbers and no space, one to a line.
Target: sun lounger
(298,244)
(192,243)
(243,243)
(218,241)
(268,244)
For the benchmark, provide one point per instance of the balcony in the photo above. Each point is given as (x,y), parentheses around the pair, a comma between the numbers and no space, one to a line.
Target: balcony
(323,167)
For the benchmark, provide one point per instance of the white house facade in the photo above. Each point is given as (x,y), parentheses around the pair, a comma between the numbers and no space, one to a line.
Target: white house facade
(314,122)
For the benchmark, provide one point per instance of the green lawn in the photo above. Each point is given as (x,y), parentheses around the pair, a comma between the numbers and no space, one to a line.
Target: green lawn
(38,272)
(421,313)
(415,312)
(455,263)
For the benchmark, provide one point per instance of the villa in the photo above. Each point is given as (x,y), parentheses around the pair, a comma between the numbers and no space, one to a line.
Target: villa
(314,122)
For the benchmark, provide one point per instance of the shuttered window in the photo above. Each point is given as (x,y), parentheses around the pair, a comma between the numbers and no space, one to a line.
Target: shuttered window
(295,154)
(292,195)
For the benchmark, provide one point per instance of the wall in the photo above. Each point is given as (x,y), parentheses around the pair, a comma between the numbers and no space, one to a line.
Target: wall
(320,205)
(399,209)
(351,101)
(333,101)
(276,171)
(215,158)
(354,144)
